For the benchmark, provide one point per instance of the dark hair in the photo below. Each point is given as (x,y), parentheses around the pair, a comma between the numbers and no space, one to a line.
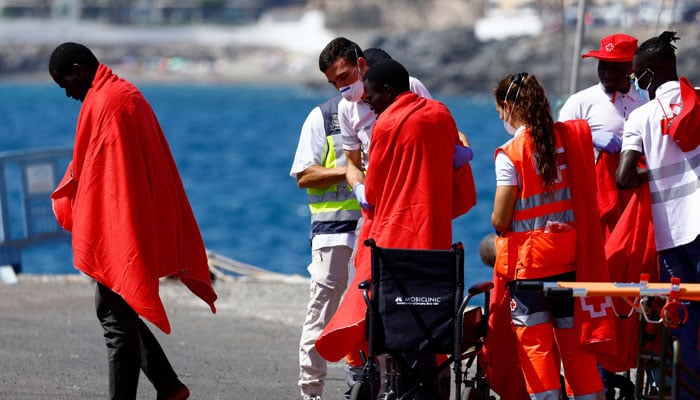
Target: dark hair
(660,48)
(65,55)
(388,72)
(529,103)
(374,55)
(339,47)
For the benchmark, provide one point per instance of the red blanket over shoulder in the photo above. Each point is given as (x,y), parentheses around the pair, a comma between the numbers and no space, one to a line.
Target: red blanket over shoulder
(123,202)
(415,192)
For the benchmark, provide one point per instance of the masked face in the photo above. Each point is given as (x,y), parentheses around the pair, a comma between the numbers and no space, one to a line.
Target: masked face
(509,128)
(355,90)
(506,121)
(644,93)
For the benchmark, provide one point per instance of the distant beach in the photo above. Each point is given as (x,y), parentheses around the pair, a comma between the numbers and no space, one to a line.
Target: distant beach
(271,51)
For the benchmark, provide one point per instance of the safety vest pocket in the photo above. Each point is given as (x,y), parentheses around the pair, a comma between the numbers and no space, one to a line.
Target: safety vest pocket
(547,253)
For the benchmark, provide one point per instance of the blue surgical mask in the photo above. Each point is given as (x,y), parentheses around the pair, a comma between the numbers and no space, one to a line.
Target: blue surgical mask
(644,93)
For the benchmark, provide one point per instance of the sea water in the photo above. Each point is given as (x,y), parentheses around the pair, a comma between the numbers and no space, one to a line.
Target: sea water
(234,147)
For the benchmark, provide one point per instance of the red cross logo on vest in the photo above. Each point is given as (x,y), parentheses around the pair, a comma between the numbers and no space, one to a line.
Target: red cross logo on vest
(596,306)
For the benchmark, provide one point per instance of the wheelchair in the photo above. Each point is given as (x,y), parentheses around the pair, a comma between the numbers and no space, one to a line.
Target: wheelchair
(415,312)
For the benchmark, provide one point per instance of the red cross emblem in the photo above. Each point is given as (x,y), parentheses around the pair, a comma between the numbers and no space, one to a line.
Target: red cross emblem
(596,305)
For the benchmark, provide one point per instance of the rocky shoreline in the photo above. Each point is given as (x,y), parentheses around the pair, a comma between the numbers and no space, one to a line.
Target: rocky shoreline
(450,62)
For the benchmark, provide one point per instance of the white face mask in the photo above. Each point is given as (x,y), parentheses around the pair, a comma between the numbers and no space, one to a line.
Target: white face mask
(353,92)
(507,126)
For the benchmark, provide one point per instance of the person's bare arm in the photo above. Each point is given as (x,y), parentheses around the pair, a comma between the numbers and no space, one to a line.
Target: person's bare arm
(463,138)
(354,172)
(627,174)
(503,207)
(318,177)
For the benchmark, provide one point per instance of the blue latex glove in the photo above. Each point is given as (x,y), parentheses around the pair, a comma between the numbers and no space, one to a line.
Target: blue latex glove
(607,141)
(359,191)
(463,154)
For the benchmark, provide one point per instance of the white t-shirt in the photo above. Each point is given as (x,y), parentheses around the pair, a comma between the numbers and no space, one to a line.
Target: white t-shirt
(506,174)
(311,150)
(356,119)
(673,175)
(604,112)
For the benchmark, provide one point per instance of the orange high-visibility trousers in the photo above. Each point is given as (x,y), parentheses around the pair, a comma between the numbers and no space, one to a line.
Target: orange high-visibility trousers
(541,367)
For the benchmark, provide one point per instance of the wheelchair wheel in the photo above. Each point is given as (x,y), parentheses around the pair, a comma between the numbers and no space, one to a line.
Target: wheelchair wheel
(360,391)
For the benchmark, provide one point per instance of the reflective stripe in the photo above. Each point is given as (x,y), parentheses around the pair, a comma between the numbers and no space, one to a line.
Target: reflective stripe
(554,394)
(330,194)
(678,168)
(675,192)
(543,198)
(542,317)
(532,224)
(333,214)
(537,318)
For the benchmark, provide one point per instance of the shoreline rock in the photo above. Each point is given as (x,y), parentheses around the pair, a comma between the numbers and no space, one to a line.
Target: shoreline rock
(450,61)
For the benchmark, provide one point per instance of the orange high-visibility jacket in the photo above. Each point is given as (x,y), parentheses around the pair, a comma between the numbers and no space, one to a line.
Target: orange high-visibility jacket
(541,240)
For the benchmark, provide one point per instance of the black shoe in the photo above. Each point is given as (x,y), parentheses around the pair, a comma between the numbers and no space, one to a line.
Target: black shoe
(177,392)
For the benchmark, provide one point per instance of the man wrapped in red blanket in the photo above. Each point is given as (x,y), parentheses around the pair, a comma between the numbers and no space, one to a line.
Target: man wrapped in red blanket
(131,223)
(411,183)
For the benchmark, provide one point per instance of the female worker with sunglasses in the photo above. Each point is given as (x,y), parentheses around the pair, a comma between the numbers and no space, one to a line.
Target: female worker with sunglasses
(548,230)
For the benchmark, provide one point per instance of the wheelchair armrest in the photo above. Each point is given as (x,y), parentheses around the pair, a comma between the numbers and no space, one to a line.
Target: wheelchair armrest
(480,287)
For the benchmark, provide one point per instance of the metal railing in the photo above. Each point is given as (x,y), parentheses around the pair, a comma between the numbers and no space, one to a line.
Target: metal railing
(27,178)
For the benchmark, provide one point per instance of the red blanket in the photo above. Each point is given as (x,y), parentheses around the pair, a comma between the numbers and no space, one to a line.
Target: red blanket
(415,192)
(123,202)
(685,129)
(595,321)
(630,251)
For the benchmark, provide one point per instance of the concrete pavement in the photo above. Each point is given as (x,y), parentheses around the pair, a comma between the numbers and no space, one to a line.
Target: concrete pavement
(51,344)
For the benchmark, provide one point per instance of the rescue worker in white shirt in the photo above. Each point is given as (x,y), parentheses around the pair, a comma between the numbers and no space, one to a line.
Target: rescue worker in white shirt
(673,173)
(344,64)
(607,104)
(319,167)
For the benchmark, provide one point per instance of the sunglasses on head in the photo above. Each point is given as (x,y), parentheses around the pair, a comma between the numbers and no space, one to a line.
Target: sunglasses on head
(517,80)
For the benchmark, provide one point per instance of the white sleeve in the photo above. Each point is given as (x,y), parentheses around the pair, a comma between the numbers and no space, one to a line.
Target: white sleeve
(351,140)
(632,134)
(506,175)
(312,148)
(418,88)
(570,110)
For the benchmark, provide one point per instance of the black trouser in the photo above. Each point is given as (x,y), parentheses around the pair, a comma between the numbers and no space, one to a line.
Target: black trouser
(131,347)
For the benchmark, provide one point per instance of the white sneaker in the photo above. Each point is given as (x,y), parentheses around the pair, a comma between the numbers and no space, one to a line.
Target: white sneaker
(311,397)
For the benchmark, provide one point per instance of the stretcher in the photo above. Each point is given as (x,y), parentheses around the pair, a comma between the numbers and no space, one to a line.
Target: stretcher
(656,303)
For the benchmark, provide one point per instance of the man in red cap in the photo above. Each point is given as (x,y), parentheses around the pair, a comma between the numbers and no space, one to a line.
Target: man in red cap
(606,106)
